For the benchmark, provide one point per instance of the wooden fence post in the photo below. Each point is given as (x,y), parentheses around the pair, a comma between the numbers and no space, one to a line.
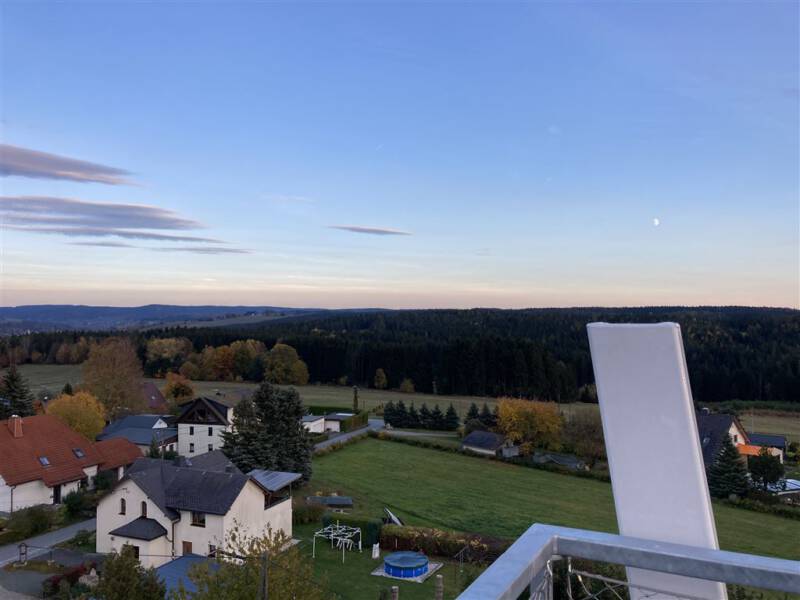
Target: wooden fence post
(439,595)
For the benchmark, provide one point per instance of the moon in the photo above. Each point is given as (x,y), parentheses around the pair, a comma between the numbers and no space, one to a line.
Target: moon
(656,221)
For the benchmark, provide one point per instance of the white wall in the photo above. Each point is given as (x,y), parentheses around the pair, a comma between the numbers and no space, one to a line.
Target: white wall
(477,450)
(331,425)
(24,495)
(248,512)
(317,426)
(200,537)
(108,519)
(200,439)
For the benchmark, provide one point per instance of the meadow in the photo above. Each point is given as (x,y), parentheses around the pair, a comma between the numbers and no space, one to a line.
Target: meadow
(53,377)
(462,493)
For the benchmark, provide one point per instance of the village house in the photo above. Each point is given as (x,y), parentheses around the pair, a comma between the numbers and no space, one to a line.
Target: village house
(190,507)
(313,423)
(490,444)
(141,430)
(201,424)
(43,460)
(712,427)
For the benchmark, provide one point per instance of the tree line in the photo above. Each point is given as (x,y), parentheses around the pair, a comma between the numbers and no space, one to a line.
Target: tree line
(732,352)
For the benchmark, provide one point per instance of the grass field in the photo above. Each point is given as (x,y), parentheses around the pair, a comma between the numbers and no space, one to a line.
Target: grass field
(462,493)
(53,378)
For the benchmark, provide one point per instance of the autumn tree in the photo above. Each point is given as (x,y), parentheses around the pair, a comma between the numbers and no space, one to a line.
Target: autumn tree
(80,411)
(124,578)
(166,354)
(290,574)
(530,423)
(178,389)
(113,374)
(14,389)
(406,386)
(284,366)
(583,433)
(380,382)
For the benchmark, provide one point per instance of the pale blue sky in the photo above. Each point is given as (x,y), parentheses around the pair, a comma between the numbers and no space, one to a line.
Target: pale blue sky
(526,149)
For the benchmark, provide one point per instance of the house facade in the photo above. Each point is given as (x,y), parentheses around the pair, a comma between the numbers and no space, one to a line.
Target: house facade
(313,423)
(43,460)
(165,511)
(201,424)
(711,429)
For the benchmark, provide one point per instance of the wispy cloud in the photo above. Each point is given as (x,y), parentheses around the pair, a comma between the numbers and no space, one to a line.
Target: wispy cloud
(47,210)
(203,250)
(104,244)
(113,232)
(24,162)
(370,230)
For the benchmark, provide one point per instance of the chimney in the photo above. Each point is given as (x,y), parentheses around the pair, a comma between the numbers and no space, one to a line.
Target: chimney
(15,426)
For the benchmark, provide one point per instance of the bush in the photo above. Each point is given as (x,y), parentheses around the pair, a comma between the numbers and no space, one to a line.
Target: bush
(304,513)
(435,542)
(355,422)
(52,585)
(74,504)
(30,521)
(370,528)
(315,409)
(104,481)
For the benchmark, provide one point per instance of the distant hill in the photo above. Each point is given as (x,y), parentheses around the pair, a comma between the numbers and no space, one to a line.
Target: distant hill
(60,317)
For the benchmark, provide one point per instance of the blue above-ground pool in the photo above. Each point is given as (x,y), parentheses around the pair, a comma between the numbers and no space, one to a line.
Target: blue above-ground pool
(405,564)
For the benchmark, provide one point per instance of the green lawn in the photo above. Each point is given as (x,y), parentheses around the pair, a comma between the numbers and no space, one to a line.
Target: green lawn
(352,579)
(462,493)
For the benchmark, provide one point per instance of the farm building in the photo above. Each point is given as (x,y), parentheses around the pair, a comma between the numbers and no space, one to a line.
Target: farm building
(490,444)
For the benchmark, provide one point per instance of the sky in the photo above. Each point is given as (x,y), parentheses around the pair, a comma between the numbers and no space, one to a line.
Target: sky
(409,154)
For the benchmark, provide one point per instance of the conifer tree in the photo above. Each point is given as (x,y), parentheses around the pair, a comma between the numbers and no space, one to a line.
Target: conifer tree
(437,418)
(413,417)
(16,393)
(472,413)
(425,417)
(486,416)
(389,413)
(727,475)
(451,420)
(268,433)
(67,389)
(401,415)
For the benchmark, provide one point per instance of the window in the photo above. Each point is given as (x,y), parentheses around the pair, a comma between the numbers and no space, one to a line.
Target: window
(210,447)
(191,447)
(144,508)
(78,453)
(122,506)
(735,439)
(212,550)
(43,460)
(198,519)
(210,432)
(191,430)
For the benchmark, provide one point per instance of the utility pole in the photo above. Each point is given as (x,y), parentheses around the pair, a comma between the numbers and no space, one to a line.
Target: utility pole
(264,595)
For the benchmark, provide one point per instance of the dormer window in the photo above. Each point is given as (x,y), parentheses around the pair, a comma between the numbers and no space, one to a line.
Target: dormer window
(44,461)
(78,453)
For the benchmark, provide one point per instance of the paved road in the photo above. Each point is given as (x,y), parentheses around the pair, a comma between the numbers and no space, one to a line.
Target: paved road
(372,425)
(10,552)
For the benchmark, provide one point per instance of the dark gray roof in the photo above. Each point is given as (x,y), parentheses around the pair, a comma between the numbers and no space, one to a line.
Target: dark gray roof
(134,422)
(312,418)
(208,461)
(564,460)
(216,405)
(711,428)
(174,488)
(767,439)
(142,436)
(335,501)
(486,440)
(338,416)
(140,529)
(273,480)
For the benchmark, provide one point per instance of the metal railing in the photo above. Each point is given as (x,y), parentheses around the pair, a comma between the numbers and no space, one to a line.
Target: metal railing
(528,563)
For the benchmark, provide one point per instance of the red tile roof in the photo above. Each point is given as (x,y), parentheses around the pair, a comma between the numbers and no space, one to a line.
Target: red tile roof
(45,436)
(116,452)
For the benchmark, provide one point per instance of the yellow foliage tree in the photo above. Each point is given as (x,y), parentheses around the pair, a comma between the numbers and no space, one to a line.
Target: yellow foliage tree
(530,423)
(80,411)
(284,366)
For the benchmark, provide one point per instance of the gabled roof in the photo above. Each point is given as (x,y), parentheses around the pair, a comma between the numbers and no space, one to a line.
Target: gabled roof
(117,452)
(153,396)
(208,461)
(311,418)
(174,488)
(711,428)
(216,412)
(176,572)
(143,437)
(140,529)
(148,421)
(768,439)
(66,452)
(272,481)
(485,440)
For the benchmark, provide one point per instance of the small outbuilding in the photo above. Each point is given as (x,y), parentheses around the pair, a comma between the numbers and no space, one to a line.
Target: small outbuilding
(313,423)
(490,444)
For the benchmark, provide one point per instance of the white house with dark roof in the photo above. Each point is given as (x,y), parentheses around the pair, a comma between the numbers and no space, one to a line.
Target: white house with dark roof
(142,430)
(201,423)
(165,509)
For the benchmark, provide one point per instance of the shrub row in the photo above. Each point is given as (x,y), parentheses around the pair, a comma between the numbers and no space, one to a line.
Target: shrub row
(370,528)
(340,445)
(303,513)
(436,542)
(316,409)
(778,509)
(355,422)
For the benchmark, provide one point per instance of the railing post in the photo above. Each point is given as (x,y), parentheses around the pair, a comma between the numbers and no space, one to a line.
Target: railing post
(395,593)
(439,592)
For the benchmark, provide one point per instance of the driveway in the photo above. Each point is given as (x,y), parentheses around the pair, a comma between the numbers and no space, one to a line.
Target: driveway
(372,425)
(41,543)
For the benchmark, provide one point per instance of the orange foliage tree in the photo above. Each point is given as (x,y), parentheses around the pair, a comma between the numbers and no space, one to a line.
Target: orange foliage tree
(530,423)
